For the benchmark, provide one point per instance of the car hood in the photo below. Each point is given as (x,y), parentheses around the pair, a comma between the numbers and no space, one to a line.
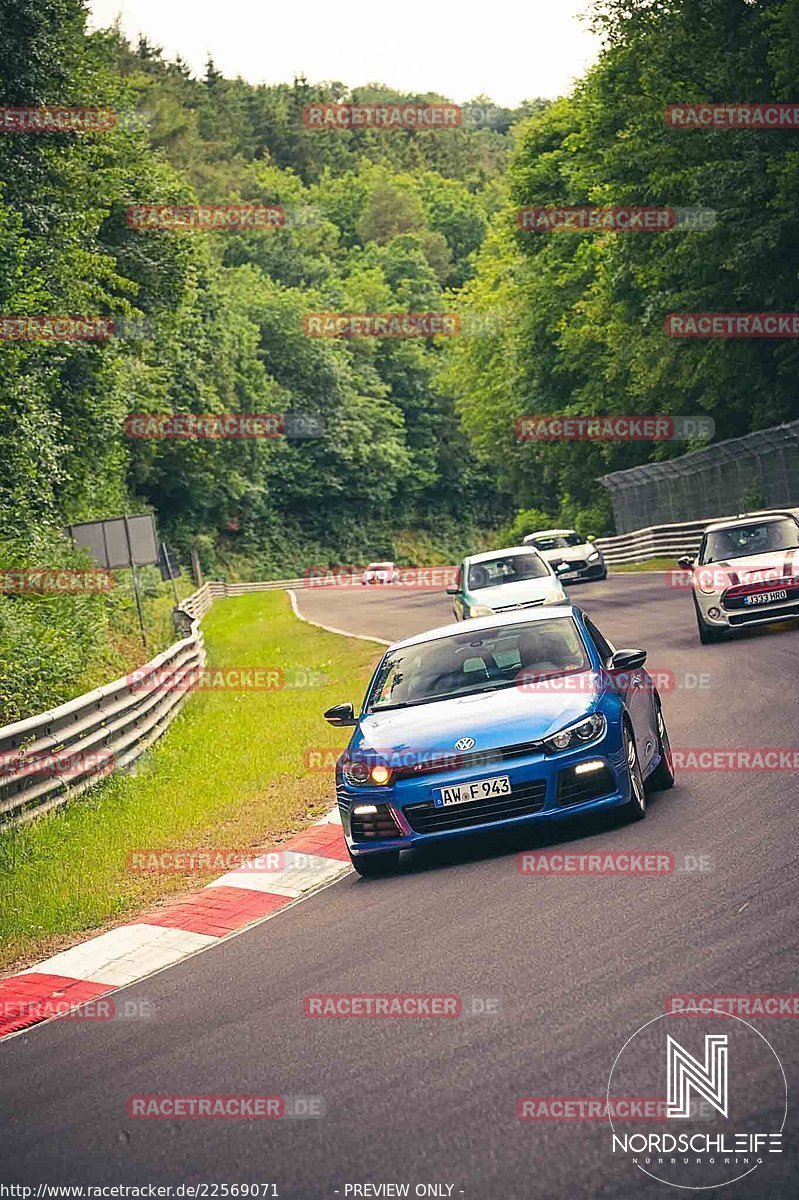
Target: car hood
(568,553)
(506,594)
(501,718)
(755,568)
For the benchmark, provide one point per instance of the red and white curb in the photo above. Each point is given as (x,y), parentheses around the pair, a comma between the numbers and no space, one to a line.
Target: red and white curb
(182,927)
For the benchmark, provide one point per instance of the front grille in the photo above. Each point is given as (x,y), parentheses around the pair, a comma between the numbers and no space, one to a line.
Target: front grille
(513,607)
(443,760)
(734,598)
(579,564)
(521,802)
(782,611)
(580,788)
(366,827)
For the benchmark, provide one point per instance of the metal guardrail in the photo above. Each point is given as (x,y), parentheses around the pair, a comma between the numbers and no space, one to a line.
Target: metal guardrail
(49,759)
(664,541)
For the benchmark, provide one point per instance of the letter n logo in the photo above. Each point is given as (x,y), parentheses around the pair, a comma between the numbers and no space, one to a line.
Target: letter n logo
(708,1080)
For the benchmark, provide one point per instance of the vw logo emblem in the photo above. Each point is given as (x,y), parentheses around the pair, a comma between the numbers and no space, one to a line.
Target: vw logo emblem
(464,743)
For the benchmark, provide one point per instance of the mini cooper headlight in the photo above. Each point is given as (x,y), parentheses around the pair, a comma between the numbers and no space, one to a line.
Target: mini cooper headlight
(587,730)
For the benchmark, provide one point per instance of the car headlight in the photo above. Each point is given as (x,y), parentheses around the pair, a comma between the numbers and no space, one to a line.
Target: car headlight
(579,734)
(710,580)
(480,610)
(360,773)
(594,556)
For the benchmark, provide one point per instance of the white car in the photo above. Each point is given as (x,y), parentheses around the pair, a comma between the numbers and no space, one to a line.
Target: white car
(746,573)
(583,560)
(380,572)
(499,581)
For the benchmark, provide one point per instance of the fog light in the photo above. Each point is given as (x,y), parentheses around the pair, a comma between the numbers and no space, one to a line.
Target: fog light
(364,810)
(380,774)
(583,768)
(714,612)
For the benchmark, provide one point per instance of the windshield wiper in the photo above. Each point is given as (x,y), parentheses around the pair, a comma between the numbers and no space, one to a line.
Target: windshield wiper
(489,687)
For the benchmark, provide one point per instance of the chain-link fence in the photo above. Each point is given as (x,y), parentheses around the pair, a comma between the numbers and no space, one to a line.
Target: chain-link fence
(760,470)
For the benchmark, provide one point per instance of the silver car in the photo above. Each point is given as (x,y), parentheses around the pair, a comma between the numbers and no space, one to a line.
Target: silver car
(502,580)
(583,561)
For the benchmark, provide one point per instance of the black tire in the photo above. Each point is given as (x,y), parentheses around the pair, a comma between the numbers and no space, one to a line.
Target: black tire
(662,778)
(635,808)
(372,866)
(708,636)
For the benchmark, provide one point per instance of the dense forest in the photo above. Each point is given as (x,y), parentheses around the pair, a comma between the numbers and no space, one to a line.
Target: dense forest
(418,456)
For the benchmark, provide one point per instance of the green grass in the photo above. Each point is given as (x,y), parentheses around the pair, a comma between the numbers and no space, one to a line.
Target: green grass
(232,772)
(652,564)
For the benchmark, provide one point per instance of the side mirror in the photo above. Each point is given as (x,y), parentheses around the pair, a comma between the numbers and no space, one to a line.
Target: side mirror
(627,660)
(452,591)
(686,562)
(341,715)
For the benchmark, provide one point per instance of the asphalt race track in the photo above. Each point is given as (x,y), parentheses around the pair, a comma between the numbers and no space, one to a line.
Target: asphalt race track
(555,974)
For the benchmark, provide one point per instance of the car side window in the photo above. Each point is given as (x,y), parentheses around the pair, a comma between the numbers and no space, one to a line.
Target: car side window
(603,646)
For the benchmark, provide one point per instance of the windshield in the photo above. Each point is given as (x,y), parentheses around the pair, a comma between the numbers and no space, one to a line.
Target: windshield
(506,568)
(474,662)
(557,541)
(380,567)
(761,537)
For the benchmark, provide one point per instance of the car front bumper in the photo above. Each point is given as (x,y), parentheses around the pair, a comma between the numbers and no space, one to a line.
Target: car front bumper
(543,788)
(721,612)
(584,574)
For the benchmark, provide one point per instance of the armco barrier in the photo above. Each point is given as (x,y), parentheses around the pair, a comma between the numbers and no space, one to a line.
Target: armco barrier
(664,541)
(51,758)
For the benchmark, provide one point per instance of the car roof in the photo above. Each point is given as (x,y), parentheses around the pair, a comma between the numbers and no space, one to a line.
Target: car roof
(748,519)
(488,555)
(518,616)
(551,533)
